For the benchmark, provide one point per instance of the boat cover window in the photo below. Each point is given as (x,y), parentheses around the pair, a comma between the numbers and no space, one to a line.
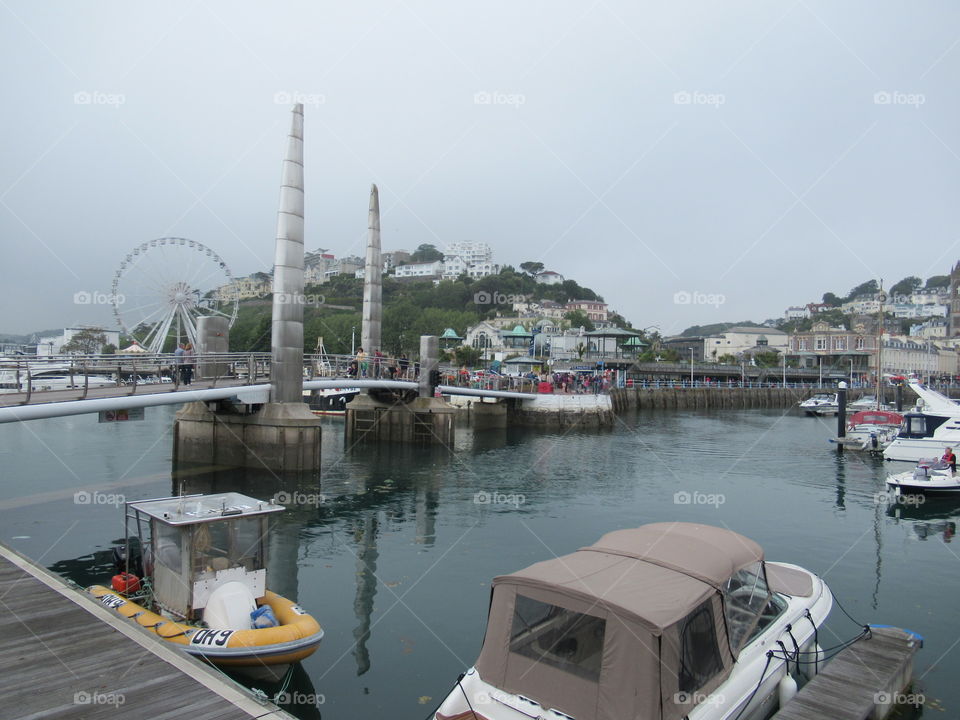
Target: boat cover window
(555,636)
(699,654)
(747,605)
(918,426)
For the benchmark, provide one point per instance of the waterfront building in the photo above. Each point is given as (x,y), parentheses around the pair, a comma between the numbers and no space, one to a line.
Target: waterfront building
(53,344)
(836,347)
(684,346)
(903,355)
(740,339)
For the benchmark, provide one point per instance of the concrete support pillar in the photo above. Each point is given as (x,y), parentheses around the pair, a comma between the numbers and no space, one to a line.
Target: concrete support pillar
(372,282)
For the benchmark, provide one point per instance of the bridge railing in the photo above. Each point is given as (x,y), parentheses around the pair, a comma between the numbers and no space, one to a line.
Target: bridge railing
(153,372)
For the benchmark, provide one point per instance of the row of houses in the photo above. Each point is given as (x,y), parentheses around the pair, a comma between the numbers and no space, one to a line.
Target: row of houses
(923,304)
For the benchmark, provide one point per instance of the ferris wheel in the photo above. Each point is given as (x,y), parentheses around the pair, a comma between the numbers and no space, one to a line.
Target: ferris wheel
(164,286)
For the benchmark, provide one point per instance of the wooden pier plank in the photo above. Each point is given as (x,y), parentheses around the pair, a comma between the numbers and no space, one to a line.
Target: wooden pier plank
(846,688)
(65,657)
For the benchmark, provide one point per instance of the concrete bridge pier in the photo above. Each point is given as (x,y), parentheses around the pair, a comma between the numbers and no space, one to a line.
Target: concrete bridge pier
(424,420)
(487,415)
(281,434)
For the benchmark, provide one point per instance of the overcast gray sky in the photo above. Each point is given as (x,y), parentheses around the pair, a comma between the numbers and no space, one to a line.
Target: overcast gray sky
(765,152)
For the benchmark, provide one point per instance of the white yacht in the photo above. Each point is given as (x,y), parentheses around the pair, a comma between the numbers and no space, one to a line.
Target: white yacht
(821,404)
(928,430)
(661,622)
(50,377)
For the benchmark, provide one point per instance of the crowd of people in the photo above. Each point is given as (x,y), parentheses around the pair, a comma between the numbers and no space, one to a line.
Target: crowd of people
(379,366)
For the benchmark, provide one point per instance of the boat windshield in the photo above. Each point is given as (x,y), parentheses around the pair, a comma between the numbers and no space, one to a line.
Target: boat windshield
(749,605)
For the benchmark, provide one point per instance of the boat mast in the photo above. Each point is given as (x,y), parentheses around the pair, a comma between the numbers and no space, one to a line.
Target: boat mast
(879,341)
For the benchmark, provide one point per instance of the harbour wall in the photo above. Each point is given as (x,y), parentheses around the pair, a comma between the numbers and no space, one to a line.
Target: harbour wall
(733,398)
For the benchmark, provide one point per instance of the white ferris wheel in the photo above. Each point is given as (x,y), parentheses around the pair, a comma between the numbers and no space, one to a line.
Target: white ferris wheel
(164,286)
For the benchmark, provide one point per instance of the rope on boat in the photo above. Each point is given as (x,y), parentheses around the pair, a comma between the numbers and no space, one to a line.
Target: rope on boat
(759,683)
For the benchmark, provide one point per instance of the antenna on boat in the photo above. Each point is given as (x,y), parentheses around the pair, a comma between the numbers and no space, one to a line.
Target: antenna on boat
(880,296)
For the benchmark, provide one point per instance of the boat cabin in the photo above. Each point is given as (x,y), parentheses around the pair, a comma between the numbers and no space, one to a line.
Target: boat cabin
(644,624)
(920,425)
(197,543)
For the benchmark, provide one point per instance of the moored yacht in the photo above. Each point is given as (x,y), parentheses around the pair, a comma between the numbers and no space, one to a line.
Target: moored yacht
(821,404)
(927,430)
(661,622)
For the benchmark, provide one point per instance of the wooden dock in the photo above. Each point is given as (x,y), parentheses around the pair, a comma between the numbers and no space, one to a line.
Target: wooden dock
(866,680)
(65,656)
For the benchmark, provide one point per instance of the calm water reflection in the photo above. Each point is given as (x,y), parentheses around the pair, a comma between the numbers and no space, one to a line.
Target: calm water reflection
(393,548)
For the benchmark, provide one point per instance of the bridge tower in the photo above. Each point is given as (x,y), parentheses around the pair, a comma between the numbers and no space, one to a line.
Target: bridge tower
(281,434)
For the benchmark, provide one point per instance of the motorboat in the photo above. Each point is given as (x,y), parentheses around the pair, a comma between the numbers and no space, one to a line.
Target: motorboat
(929,477)
(928,429)
(200,582)
(867,402)
(660,622)
(330,401)
(50,377)
(872,429)
(821,404)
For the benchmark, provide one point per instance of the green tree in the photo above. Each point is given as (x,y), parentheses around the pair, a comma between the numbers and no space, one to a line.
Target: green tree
(578,318)
(87,342)
(532,268)
(426,253)
(767,359)
(832,300)
(727,359)
(108,349)
(938,281)
(907,286)
(467,355)
(870,287)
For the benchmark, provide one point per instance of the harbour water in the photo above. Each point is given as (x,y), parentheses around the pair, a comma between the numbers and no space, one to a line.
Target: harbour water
(393,548)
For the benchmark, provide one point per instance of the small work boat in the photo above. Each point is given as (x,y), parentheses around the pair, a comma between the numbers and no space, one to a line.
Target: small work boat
(930,477)
(661,622)
(201,581)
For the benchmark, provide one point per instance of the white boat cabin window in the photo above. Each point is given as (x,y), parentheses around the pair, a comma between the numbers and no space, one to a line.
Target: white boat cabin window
(555,636)
(749,605)
(168,548)
(221,545)
(699,654)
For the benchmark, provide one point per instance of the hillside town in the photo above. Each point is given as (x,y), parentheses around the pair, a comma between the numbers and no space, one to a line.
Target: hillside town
(916,332)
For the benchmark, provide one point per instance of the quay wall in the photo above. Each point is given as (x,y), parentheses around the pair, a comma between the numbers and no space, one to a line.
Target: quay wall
(720,397)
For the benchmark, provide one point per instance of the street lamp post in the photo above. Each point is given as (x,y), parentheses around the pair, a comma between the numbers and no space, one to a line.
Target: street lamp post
(353,336)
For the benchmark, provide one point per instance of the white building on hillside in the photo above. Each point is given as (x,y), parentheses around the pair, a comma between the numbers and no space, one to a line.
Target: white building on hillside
(427,271)
(472,253)
(549,277)
(798,312)
(53,344)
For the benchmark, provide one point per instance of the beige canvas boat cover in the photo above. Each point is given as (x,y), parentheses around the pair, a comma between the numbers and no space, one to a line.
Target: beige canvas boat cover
(616,630)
